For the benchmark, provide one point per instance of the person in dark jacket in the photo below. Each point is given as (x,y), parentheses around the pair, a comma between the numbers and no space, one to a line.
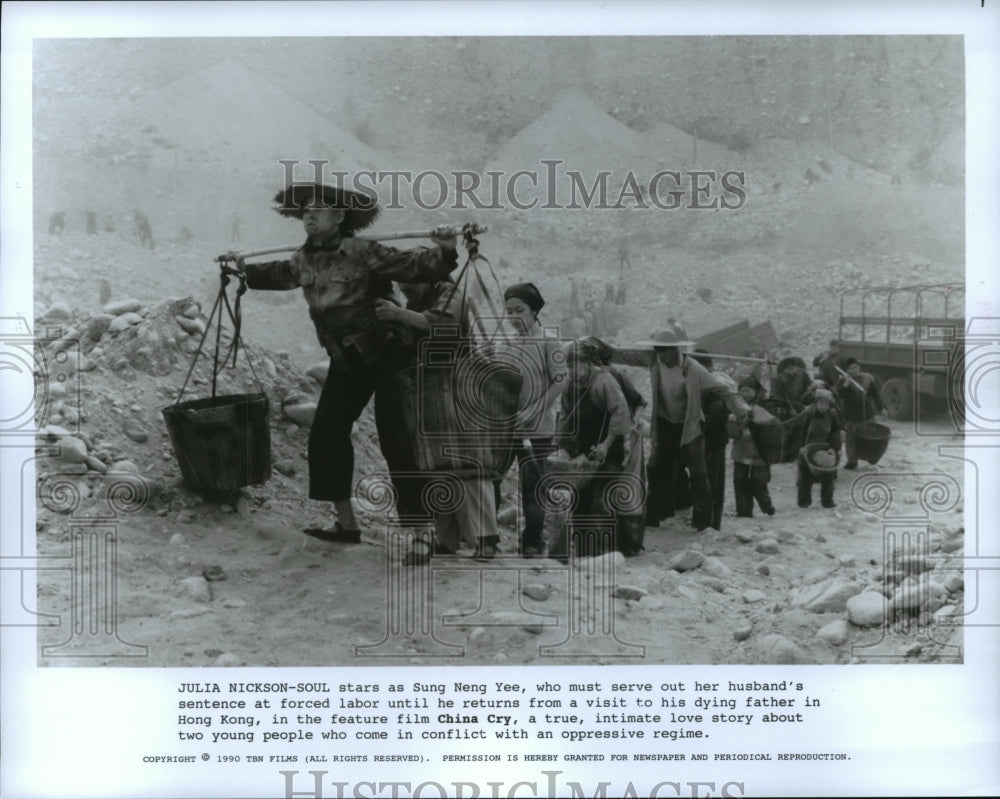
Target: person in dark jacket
(751,473)
(860,401)
(342,279)
(716,439)
(823,426)
(680,387)
(828,362)
(594,423)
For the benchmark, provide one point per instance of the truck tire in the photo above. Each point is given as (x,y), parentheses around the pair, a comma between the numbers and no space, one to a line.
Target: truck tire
(897,396)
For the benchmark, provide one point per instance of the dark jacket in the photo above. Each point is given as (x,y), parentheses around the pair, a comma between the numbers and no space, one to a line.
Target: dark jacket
(701,386)
(341,278)
(859,404)
(821,427)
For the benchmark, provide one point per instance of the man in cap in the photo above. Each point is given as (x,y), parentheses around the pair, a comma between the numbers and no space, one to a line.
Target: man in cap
(680,387)
(860,401)
(342,279)
(827,363)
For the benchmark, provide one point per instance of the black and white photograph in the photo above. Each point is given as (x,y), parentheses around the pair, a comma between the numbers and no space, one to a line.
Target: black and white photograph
(625,391)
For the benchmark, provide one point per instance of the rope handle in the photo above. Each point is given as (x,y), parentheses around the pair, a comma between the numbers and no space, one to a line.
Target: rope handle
(235,315)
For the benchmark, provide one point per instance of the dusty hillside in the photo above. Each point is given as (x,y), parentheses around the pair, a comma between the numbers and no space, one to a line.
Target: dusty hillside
(851,165)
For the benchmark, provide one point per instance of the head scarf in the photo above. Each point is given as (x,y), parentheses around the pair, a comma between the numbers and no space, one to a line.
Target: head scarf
(528,293)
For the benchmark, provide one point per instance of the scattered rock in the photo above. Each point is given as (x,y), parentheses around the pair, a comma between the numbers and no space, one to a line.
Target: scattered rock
(954,583)
(119,307)
(686,560)
(319,371)
(193,327)
(764,569)
(227,659)
(120,324)
(606,564)
(743,536)
(834,633)
(96,464)
(243,507)
(716,568)
(785,536)
(286,468)
(214,574)
(72,450)
(196,588)
(914,564)
(768,546)
(752,596)
(124,466)
(867,609)
(628,592)
(302,414)
(177,539)
(828,596)
(58,312)
(234,603)
(98,325)
(536,591)
(776,648)
(135,431)
(507,516)
(743,632)
(185,517)
(847,561)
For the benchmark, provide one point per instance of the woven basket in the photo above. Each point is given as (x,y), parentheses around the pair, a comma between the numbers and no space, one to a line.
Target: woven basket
(810,449)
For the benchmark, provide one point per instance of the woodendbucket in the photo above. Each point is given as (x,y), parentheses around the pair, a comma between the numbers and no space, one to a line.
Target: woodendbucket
(873,440)
(221,443)
(778,444)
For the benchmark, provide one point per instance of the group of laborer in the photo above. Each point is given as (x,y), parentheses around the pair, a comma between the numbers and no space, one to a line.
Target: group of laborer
(575,407)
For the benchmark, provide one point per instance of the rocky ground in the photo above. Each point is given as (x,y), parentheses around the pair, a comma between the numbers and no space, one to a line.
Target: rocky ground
(231,580)
(854,177)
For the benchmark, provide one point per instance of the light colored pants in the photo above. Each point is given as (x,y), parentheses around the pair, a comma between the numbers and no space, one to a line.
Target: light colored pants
(475,517)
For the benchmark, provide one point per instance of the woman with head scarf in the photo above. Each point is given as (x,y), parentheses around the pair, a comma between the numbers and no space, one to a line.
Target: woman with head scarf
(542,365)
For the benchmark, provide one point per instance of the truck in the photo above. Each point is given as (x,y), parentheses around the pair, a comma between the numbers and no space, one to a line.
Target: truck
(910,338)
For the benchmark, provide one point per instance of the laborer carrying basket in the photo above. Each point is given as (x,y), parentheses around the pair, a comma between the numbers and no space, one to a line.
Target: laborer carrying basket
(342,277)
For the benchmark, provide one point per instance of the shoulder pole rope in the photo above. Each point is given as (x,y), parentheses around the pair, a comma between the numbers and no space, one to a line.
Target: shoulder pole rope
(472,228)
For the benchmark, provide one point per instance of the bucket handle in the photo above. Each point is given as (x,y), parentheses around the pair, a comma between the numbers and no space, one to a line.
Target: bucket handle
(235,316)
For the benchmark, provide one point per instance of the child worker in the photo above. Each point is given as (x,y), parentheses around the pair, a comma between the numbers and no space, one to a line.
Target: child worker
(751,473)
(342,278)
(823,425)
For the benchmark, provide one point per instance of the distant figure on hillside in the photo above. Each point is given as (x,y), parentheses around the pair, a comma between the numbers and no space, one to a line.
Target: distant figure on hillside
(109,224)
(236,227)
(186,235)
(91,223)
(143,230)
(57,222)
(105,291)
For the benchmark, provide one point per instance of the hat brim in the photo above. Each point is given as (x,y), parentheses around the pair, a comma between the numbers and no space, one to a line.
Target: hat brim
(659,345)
(361,210)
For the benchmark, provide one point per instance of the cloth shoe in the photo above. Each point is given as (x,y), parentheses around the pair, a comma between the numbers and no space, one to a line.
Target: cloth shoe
(337,533)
